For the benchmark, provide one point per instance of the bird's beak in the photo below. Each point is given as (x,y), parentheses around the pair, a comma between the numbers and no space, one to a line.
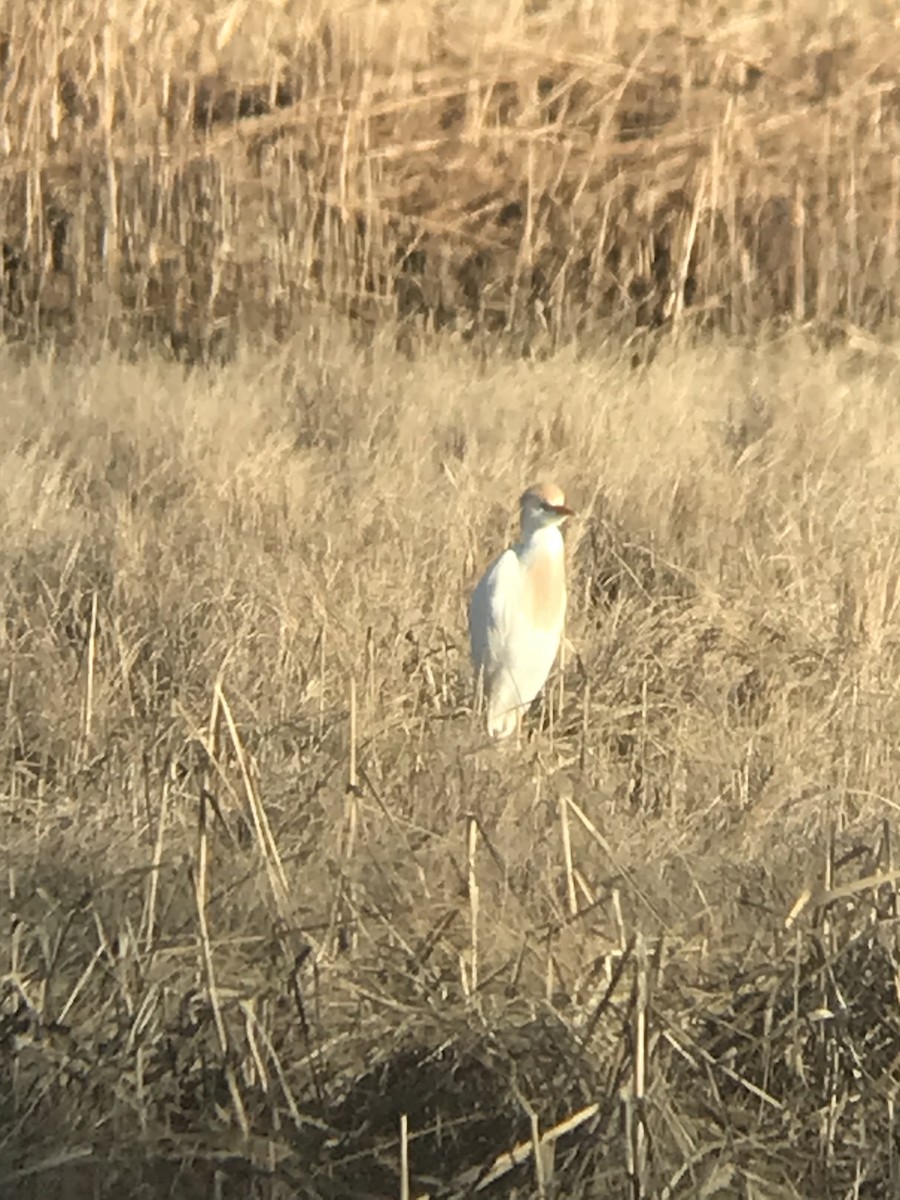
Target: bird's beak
(562,510)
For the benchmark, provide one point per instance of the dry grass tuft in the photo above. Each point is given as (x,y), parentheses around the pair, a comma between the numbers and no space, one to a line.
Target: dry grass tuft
(202,173)
(280,921)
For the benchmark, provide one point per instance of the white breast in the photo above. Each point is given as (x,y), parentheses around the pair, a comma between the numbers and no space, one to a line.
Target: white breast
(516,621)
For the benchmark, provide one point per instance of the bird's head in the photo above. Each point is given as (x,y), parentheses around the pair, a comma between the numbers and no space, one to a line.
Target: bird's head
(543,505)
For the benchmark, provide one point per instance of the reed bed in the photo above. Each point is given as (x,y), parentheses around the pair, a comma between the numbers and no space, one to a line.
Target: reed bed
(199,175)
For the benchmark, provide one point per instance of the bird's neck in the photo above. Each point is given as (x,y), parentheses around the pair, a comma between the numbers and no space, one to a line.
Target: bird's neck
(543,579)
(545,539)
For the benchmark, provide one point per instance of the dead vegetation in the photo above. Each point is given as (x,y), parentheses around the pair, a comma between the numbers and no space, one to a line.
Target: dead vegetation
(279,923)
(201,174)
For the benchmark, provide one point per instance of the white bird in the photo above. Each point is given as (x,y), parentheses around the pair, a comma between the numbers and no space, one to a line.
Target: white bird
(518,609)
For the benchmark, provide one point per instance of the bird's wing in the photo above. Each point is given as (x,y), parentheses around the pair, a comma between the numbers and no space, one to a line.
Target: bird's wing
(492,608)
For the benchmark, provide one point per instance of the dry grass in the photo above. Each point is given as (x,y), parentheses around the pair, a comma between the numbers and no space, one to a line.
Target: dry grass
(199,173)
(267,889)
(280,922)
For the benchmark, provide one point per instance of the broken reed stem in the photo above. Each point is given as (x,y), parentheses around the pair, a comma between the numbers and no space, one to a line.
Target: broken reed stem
(370,669)
(212,731)
(479,692)
(685,264)
(607,850)
(540,1173)
(520,1153)
(542,1150)
(351,781)
(80,982)
(259,1067)
(567,856)
(17,926)
(200,896)
(472,846)
(799,253)
(585,724)
(639,1074)
(273,1057)
(546,717)
(561,691)
(87,714)
(264,837)
(155,862)
(888,859)
(404,1157)
(352,806)
(828,884)
(341,921)
(550,969)
(616,901)
(321,681)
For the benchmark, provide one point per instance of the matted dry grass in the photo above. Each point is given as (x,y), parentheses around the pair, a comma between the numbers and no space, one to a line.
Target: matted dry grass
(279,921)
(198,173)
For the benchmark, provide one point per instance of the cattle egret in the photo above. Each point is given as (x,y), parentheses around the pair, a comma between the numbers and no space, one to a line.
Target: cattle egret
(518,609)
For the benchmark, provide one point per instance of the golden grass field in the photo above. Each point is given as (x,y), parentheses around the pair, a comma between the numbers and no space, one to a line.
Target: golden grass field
(242,904)
(296,300)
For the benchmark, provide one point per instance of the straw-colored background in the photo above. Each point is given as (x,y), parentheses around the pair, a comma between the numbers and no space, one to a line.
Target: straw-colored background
(278,919)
